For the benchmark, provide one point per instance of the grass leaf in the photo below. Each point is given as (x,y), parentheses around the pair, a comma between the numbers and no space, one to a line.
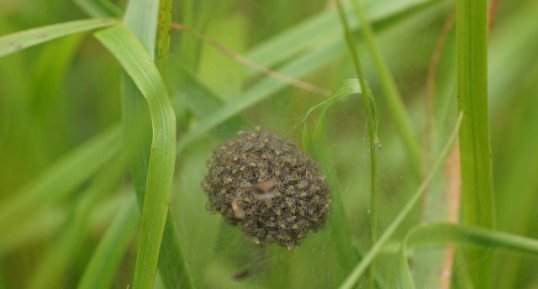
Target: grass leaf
(441,234)
(321,29)
(316,144)
(99,8)
(107,257)
(138,65)
(388,84)
(59,180)
(59,257)
(21,40)
(142,18)
(475,149)
(368,99)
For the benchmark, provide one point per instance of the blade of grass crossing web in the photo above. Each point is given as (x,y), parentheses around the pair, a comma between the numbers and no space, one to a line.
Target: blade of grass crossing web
(357,272)
(441,234)
(21,40)
(56,261)
(160,171)
(368,100)
(316,144)
(475,150)
(391,92)
(105,261)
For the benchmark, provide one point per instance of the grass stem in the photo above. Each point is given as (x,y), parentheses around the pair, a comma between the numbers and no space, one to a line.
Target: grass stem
(392,94)
(475,150)
(372,130)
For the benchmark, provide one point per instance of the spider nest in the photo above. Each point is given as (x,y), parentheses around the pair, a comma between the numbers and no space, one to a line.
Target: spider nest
(268,187)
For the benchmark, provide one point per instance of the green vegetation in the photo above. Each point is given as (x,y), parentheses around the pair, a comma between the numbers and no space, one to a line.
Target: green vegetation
(423,121)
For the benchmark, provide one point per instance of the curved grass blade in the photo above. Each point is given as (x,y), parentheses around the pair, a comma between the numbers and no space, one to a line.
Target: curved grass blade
(441,234)
(388,84)
(139,66)
(369,106)
(354,276)
(62,178)
(21,40)
(106,259)
(316,144)
(142,17)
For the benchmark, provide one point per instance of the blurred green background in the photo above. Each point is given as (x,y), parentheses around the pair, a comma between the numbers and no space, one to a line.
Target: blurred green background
(59,99)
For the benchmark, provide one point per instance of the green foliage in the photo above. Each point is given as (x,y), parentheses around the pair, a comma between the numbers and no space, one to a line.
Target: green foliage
(475,149)
(158,90)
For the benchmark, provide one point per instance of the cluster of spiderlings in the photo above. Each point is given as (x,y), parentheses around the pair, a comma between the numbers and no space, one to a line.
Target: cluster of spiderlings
(267,186)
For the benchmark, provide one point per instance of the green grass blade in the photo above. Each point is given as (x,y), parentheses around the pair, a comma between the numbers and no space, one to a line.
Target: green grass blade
(45,224)
(354,276)
(320,29)
(316,144)
(163,32)
(60,179)
(21,40)
(475,149)
(369,107)
(57,259)
(441,234)
(142,18)
(107,257)
(391,92)
(138,65)
(99,8)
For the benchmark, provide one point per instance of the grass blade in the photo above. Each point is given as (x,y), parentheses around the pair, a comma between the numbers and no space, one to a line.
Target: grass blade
(59,180)
(58,258)
(475,149)
(441,234)
(99,8)
(106,259)
(391,92)
(138,65)
(142,18)
(323,28)
(316,144)
(21,40)
(354,276)
(368,100)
